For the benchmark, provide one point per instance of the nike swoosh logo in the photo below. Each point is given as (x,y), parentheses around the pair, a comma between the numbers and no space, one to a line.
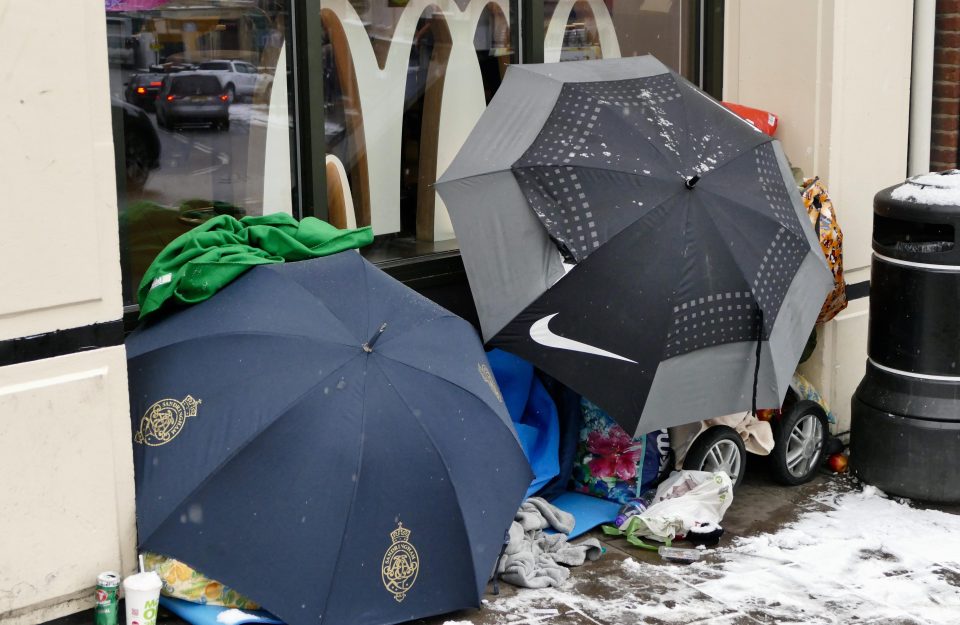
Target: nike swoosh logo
(540,333)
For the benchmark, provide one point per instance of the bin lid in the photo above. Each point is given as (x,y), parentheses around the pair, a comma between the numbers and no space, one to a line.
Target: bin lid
(918,220)
(933,189)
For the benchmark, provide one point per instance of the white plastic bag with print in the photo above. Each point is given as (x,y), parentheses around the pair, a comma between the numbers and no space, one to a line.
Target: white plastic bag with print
(683,499)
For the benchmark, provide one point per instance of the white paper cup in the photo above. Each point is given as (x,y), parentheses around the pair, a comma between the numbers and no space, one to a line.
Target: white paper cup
(142,597)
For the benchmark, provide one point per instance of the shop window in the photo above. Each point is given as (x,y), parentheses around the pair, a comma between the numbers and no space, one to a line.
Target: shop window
(594,29)
(404,83)
(201,123)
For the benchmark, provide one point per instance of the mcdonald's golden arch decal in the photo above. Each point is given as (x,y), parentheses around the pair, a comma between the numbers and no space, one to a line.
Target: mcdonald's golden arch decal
(162,421)
(400,564)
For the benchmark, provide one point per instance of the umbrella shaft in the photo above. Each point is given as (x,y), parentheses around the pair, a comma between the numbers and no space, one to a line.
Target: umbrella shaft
(368,346)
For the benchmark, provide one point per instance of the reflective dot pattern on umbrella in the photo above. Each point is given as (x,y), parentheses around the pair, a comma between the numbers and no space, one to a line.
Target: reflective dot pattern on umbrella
(771,184)
(611,151)
(781,260)
(557,196)
(712,320)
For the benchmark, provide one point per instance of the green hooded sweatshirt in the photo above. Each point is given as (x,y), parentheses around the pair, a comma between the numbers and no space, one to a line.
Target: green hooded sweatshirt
(202,261)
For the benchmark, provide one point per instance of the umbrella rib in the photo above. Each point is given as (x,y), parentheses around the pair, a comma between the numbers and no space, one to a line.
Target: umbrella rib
(435,374)
(388,336)
(356,483)
(633,173)
(320,302)
(443,460)
(735,224)
(686,224)
(254,436)
(693,90)
(675,158)
(229,333)
(366,294)
(719,192)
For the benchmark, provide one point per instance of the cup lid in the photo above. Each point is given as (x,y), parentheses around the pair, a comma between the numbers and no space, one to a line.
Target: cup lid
(148,580)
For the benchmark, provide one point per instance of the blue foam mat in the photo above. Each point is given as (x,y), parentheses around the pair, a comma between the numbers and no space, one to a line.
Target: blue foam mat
(588,511)
(200,614)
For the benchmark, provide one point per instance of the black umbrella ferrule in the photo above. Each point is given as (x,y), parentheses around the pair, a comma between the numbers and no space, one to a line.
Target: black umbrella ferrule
(368,346)
(691,181)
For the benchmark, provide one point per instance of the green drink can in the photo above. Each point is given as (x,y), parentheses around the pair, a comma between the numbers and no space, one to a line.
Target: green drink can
(107,586)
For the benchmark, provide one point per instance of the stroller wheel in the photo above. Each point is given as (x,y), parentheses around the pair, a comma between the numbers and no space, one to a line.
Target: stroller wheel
(800,436)
(719,448)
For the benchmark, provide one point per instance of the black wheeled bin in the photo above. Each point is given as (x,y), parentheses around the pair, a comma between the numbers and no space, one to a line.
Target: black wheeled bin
(905,427)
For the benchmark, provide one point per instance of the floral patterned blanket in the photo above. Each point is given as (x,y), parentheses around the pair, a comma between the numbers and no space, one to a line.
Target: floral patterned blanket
(182,582)
(612,465)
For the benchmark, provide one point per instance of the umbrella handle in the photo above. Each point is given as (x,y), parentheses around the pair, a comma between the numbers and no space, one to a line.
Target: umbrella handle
(756,365)
(368,346)
(496,570)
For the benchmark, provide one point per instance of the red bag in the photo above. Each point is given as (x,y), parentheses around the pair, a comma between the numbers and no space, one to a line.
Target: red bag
(765,121)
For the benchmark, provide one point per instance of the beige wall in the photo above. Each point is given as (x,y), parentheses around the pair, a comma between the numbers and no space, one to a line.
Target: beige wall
(60,252)
(66,491)
(837,72)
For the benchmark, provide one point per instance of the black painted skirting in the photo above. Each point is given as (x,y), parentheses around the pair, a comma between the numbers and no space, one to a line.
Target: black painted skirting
(858,290)
(61,342)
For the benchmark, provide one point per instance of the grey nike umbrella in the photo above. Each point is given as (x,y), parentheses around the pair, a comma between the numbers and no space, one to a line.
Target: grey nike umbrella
(636,240)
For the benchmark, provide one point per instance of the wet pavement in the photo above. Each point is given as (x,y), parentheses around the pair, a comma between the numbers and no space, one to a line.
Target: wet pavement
(630,585)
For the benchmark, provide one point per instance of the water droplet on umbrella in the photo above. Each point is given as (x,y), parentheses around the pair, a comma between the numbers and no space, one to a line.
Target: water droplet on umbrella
(342,384)
(195,513)
(417,412)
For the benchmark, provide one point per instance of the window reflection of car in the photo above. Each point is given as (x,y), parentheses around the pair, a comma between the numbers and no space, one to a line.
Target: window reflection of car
(238,78)
(192,98)
(142,90)
(141,144)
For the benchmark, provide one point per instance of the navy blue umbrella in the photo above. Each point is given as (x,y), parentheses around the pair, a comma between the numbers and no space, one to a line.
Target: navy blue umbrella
(325,441)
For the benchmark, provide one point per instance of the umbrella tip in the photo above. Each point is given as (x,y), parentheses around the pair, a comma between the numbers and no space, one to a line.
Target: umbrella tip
(691,181)
(368,346)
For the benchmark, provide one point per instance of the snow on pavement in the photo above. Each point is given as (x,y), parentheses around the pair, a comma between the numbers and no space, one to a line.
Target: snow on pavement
(865,558)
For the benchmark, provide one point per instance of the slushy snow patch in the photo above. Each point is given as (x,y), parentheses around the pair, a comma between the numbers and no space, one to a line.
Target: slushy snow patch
(870,556)
(941,189)
(865,558)
(233,616)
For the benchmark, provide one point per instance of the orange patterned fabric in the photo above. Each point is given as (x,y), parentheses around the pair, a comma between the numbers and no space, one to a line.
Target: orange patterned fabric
(823,216)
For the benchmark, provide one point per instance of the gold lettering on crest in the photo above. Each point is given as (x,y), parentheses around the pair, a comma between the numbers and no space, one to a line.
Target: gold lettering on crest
(163,420)
(400,564)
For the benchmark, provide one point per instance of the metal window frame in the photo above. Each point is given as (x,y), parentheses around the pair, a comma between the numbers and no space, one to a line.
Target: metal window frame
(305,91)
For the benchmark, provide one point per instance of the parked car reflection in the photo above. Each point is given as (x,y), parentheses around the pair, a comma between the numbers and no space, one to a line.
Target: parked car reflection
(142,90)
(192,98)
(239,79)
(141,144)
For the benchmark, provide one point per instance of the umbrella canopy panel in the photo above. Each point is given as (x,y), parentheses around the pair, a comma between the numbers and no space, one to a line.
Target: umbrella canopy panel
(273,452)
(682,225)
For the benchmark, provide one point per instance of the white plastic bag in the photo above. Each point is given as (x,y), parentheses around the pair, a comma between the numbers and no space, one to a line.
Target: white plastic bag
(683,499)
